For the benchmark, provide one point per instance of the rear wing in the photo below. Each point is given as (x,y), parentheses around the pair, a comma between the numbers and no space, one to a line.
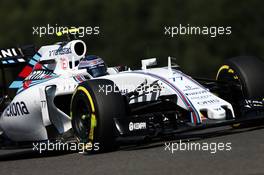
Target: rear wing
(16,55)
(12,61)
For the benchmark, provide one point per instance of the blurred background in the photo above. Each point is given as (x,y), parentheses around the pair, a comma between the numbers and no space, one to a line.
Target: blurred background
(133,30)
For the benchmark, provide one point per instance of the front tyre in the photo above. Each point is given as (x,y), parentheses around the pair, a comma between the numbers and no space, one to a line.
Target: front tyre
(246,72)
(93,111)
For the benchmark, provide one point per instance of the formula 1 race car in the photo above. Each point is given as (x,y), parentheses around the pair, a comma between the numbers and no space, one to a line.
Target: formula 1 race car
(65,90)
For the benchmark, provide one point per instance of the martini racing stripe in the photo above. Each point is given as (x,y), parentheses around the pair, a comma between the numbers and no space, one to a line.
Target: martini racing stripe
(79,79)
(25,72)
(13,60)
(33,83)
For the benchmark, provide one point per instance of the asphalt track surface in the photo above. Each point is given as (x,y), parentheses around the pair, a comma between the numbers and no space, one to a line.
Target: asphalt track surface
(246,157)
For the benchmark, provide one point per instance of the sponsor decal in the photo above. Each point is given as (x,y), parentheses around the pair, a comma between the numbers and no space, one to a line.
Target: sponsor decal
(175,78)
(208,102)
(190,88)
(4,53)
(201,97)
(196,93)
(137,126)
(16,109)
(64,63)
(60,51)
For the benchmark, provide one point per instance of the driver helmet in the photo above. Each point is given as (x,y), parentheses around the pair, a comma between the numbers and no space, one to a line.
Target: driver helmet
(94,65)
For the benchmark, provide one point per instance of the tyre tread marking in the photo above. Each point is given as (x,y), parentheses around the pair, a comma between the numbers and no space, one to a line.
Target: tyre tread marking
(93,118)
(220,69)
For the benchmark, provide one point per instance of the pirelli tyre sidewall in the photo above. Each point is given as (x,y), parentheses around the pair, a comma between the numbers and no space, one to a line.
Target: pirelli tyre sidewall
(246,70)
(98,127)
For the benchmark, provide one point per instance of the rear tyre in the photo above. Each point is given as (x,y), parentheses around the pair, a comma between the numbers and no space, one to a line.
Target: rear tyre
(93,112)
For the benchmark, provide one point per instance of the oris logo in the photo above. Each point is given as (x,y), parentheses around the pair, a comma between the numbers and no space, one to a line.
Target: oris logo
(16,109)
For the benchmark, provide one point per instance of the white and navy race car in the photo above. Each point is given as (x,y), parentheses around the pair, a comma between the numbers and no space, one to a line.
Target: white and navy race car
(63,93)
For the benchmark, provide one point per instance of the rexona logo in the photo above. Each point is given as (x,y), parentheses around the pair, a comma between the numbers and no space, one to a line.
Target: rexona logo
(16,109)
(137,126)
(8,53)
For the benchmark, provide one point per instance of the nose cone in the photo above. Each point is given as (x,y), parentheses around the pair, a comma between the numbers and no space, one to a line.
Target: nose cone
(216,113)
